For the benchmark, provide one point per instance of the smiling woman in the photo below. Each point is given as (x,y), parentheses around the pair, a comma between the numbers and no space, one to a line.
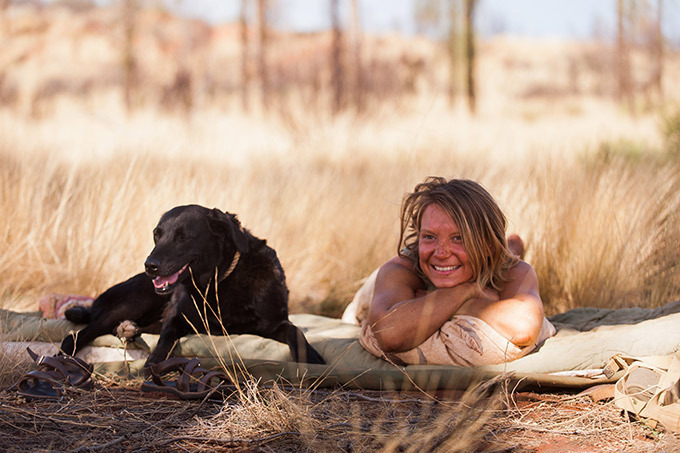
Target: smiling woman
(441,254)
(455,293)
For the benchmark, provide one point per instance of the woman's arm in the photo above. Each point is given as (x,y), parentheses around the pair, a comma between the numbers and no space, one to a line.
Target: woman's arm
(518,315)
(399,318)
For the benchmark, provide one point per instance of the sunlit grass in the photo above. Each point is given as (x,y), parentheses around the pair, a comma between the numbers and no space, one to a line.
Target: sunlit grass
(600,227)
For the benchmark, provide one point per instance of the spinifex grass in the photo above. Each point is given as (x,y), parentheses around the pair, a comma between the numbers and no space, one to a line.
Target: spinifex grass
(600,233)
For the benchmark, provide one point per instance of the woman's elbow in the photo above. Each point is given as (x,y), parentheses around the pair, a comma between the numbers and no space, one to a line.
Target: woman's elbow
(527,330)
(387,340)
(384,331)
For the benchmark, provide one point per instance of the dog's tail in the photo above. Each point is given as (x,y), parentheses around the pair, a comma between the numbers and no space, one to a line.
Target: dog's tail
(78,314)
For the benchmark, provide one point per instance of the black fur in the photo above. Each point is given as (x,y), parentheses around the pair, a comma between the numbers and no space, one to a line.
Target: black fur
(200,244)
(78,314)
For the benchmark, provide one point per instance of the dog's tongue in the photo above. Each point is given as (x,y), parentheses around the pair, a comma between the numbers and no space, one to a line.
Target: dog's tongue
(159,282)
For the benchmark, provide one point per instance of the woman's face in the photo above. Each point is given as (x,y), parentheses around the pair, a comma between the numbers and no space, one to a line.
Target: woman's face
(440,249)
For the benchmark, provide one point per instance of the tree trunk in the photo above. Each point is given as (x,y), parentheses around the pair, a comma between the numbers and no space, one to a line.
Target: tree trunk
(336,55)
(625,94)
(470,55)
(262,53)
(245,79)
(130,79)
(452,51)
(358,76)
(659,51)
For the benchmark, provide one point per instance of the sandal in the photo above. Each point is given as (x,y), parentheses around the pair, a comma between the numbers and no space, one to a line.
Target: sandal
(194,381)
(54,376)
(649,389)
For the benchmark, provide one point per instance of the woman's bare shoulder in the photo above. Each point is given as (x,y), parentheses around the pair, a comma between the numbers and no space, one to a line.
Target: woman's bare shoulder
(397,274)
(399,263)
(521,269)
(521,279)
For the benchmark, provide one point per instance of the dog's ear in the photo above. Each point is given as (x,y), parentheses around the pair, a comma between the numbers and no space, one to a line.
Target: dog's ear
(223,223)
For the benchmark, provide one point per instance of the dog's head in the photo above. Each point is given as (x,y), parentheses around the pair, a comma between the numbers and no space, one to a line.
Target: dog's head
(193,240)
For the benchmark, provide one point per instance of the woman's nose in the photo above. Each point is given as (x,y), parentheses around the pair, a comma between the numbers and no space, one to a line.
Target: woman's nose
(442,249)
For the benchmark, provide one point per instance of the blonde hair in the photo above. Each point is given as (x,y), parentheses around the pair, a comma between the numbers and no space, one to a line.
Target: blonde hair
(481,222)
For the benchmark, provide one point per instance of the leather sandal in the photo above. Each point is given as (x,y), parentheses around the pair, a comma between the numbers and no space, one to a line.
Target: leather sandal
(193,381)
(54,376)
(650,389)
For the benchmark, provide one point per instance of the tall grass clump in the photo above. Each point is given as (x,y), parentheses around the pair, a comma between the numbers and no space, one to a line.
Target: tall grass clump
(600,232)
(79,210)
(606,232)
(285,418)
(670,129)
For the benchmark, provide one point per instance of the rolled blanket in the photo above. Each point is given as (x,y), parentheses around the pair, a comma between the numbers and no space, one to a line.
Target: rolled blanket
(463,341)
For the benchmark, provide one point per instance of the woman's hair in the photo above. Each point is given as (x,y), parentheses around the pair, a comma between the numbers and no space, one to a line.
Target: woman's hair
(481,222)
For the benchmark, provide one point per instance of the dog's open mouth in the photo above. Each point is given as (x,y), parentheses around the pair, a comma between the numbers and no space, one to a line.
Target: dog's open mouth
(165,285)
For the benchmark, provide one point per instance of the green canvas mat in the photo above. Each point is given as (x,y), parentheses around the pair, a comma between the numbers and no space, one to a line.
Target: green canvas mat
(586,339)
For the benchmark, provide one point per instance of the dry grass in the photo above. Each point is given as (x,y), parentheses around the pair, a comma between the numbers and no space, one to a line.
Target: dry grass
(606,232)
(14,365)
(598,225)
(117,417)
(574,423)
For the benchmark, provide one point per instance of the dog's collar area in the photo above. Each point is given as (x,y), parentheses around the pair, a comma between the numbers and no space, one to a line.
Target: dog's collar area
(232,266)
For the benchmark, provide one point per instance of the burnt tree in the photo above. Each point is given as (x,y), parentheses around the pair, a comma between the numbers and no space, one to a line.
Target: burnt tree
(245,77)
(470,82)
(337,78)
(262,52)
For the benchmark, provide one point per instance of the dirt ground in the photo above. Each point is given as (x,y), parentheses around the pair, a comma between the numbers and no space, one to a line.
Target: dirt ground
(117,416)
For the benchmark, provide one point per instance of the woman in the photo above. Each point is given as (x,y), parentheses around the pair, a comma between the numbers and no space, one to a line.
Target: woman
(454,294)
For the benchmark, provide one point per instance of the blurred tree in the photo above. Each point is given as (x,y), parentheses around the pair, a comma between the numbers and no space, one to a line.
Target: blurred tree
(427,14)
(624,80)
(659,51)
(336,57)
(245,79)
(262,51)
(470,55)
(358,76)
(130,76)
(451,46)
(430,17)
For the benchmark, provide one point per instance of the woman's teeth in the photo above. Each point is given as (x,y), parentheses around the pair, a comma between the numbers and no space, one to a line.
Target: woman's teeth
(445,268)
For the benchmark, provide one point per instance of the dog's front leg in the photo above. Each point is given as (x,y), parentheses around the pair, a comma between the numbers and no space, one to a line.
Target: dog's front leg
(300,349)
(172,329)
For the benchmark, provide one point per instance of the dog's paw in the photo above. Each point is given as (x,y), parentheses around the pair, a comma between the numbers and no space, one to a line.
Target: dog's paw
(127,331)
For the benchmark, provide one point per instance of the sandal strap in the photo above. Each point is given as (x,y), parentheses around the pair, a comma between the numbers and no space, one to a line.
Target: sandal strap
(60,360)
(204,383)
(623,362)
(73,369)
(195,373)
(189,373)
(157,370)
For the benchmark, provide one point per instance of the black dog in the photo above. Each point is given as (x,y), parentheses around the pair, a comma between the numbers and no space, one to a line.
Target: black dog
(204,268)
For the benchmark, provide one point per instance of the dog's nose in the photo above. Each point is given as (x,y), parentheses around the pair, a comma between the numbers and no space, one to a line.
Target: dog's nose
(151,265)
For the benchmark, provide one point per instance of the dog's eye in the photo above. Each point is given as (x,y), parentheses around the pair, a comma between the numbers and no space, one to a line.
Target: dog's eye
(181,237)
(157,233)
